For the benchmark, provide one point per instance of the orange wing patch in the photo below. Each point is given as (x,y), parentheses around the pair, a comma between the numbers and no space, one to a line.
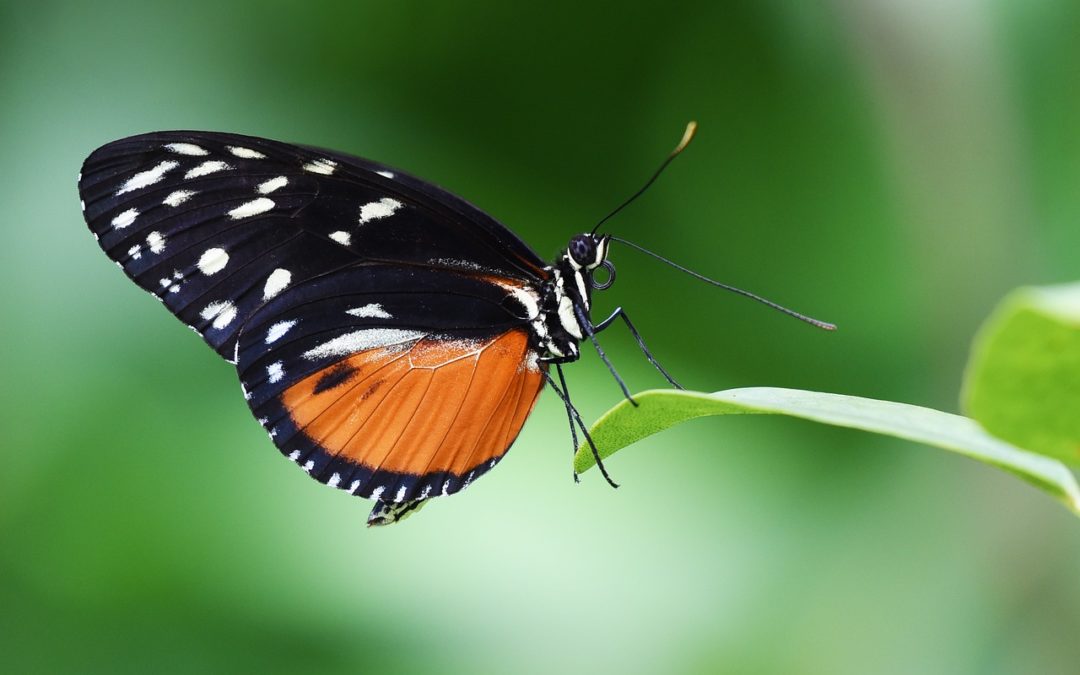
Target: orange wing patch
(425,407)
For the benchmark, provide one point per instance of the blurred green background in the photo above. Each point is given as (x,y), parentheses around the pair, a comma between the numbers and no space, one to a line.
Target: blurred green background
(891,166)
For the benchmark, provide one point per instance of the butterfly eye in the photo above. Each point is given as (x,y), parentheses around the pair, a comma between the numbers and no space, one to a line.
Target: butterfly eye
(583,250)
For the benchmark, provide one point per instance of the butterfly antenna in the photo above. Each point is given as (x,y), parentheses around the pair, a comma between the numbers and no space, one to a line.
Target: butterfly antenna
(688,135)
(790,312)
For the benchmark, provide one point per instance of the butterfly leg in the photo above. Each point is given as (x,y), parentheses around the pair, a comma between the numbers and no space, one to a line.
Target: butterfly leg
(584,430)
(569,415)
(388,513)
(620,313)
(588,327)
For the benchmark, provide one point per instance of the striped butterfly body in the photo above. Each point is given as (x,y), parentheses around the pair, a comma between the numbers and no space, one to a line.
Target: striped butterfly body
(390,337)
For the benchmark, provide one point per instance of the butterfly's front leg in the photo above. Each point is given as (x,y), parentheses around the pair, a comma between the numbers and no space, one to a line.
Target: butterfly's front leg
(620,313)
(587,326)
(574,416)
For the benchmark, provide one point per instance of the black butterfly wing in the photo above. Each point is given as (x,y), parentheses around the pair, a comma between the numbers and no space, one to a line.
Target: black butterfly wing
(393,382)
(215,225)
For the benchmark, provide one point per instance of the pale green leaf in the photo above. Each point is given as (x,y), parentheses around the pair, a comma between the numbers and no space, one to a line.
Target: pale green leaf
(1023,381)
(660,409)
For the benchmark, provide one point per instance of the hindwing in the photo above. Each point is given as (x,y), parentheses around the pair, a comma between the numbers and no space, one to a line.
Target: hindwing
(392,382)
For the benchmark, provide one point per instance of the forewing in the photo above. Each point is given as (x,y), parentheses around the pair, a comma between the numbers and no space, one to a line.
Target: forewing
(215,225)
(392,383)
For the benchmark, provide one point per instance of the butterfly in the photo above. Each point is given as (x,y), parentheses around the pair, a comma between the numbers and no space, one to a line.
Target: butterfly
(390,337)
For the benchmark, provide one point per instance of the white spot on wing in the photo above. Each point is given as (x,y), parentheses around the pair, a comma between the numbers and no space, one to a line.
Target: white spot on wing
(385,174)
(381,209)
(275,371)
(360,340)
(207,168)
(82,205)
(178,197)
(377,492)
(156,242)
(135,252)
(252,208)
(186,149)
(148,177)
(352,488)
(309,465)
(266,187)
(400,496)
(294,455)
(370,311)
(335,480)
(213,260)
(278,330)
(276,282)
(341,237)
(124,219)
(323,166)
(173,285)
(222,312)
(246,153)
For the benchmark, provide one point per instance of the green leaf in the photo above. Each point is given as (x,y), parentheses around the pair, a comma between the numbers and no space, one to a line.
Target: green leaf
(1023,381)
(659,409)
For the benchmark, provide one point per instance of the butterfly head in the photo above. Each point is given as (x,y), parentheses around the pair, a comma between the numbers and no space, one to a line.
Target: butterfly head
(586,252)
